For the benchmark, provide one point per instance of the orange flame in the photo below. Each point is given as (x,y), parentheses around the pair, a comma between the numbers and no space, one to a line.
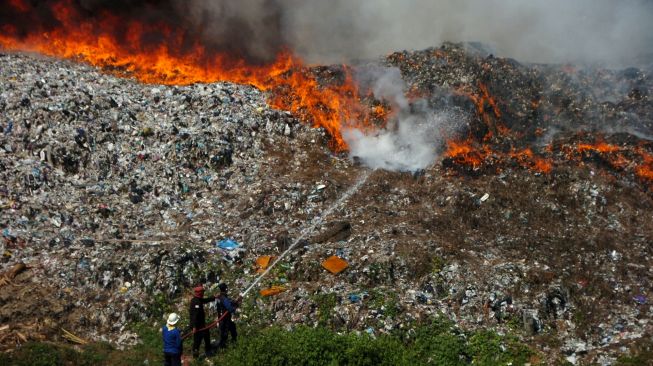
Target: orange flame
(645,169)
(600,147)
(292,86)
(487,109)
(528,160)
(463,153)
(619,158)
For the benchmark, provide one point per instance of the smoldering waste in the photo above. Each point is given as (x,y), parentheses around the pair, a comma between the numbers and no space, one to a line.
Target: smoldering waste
(115,194)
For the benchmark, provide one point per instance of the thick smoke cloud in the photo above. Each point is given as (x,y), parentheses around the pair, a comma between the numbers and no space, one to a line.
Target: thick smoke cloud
(614,32)
(611,32)
(246,29)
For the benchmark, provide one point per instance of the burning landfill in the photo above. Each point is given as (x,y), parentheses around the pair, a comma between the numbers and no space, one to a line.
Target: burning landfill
(509,196)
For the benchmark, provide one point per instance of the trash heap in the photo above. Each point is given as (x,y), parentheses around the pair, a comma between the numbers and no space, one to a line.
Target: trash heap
(119,197)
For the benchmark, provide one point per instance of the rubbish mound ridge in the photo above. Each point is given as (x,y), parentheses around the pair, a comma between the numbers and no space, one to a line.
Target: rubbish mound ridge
(117,194)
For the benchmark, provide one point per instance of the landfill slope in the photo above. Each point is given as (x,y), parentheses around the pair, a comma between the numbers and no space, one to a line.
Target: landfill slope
(116,194)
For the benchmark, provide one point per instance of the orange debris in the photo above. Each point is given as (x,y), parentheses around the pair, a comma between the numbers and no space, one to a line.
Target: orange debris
(274,290)
(335,264)
(263,262)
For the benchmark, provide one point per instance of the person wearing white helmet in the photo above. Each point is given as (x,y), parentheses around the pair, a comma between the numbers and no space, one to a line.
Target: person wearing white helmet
(172,342)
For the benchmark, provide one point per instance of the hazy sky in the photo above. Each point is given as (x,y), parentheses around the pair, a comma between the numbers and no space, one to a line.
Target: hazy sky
(607,31)
(578,31)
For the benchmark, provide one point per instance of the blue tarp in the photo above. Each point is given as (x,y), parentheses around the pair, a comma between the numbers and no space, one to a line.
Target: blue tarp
(228,244)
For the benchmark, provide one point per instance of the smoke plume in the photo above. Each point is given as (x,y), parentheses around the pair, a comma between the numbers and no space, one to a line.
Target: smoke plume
(611,32)
(599,32)
(414,132)
(250,30)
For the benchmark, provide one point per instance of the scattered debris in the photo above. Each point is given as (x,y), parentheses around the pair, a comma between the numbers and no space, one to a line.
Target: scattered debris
(90,163)
(9,275)
(73,338)
(335,264)
(263,262)
(274,290)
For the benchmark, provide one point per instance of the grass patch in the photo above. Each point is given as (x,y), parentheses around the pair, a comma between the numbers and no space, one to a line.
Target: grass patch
(437,343)
(325,304)
(95,354)
(640,354)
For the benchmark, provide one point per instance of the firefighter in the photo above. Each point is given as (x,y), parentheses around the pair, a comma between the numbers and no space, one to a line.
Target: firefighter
(226,304)
(172,343)
(198,321)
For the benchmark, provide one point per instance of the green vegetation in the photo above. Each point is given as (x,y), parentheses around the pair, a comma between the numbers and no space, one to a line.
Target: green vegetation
(641,354)
(488,348)
(437,264)
(325,304)
(385,301)
(96,354)
(438,343)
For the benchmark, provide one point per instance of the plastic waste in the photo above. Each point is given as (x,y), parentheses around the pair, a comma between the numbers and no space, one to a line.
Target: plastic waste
(274,290)
(335,264)
(228,244)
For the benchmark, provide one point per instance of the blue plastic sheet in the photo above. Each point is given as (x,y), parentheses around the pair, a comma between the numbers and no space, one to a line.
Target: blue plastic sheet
(354,298)
(228,244)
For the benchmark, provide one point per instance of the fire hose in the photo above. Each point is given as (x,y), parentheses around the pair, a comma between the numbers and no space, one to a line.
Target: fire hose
(210,326)
(304,233)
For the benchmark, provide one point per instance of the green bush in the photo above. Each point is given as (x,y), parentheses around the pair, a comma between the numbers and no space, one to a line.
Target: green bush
(437,343)
(42,354)
(488,348)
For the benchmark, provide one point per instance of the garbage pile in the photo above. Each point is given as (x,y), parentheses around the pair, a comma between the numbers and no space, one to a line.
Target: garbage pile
(119,197)
(114,193)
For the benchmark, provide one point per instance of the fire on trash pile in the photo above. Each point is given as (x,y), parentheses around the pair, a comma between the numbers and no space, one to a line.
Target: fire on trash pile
(116,193)
(124,186)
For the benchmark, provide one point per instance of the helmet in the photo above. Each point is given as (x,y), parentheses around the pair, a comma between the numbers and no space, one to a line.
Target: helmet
(173,318)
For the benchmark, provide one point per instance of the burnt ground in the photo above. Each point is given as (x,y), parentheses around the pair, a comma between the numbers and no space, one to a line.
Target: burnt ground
(114,193)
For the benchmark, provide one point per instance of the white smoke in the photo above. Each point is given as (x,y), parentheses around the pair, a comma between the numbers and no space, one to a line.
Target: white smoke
(410,140)
(409,144)
(600,32)
(612,32)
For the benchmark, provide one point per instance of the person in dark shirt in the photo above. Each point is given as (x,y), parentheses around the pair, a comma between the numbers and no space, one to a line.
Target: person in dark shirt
(226,304)
(172,343)
(198,321)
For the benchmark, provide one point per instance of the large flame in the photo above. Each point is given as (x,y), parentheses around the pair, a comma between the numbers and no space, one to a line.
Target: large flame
(121,46)
(474,155)
(174,62)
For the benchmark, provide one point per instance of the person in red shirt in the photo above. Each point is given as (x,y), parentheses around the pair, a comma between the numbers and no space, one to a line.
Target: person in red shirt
(198,321)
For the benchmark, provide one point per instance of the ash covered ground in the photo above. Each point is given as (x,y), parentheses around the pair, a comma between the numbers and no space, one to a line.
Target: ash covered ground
(114,194)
